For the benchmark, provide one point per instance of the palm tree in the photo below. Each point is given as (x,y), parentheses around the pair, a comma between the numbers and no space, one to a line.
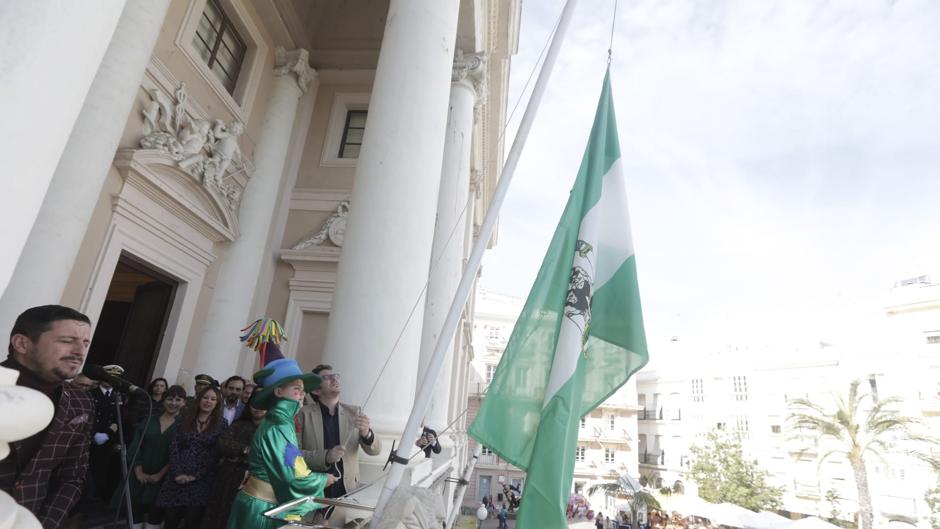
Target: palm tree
(626,486)
(862,425)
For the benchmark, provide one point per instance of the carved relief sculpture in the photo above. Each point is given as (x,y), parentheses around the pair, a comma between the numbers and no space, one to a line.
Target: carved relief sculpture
(333,229)
(208,151)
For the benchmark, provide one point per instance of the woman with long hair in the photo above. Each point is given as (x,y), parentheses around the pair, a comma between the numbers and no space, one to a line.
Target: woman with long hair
(233,448)
(142,407)
(153,458)
(193,456)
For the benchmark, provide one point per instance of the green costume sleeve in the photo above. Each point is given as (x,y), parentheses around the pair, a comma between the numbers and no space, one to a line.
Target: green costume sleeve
(275,457)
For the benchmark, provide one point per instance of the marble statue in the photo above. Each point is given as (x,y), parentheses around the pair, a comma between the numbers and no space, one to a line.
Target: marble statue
(208,150)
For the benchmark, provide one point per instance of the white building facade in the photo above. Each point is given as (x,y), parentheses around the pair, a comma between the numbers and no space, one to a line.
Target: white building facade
(750,391)
(183,167)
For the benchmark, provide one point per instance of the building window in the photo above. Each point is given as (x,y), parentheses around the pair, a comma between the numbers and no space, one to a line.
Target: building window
(698,393)
(740,388)
(219,44)
(611,422)
(741,423)
(486,452)
(775,428)
(608,455)
(494,333)
(490,371)
(579,454)
(352,133)
(583,422)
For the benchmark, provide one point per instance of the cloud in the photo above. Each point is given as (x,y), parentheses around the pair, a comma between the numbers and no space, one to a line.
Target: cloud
(781,156)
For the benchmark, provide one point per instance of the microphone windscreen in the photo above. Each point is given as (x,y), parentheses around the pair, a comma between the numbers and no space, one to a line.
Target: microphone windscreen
(95,372)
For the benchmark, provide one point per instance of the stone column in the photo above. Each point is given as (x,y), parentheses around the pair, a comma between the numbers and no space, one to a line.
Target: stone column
(238,276)
(387,245)
(449,233)
(49,56)
(44,266)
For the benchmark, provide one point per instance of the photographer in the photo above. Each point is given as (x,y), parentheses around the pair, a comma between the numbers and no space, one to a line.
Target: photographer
(428,442)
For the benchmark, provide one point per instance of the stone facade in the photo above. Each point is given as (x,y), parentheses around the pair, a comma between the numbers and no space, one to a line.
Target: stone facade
(233,197)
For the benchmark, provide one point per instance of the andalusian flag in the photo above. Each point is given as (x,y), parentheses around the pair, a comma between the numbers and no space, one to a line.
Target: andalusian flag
(578,339)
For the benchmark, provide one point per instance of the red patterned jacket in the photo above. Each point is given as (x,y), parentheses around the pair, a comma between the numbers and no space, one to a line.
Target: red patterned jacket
(50,484)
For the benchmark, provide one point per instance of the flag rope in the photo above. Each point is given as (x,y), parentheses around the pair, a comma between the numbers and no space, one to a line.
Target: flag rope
(613,24)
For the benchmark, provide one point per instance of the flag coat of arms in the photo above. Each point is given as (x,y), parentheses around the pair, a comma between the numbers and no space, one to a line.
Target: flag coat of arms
(578,338)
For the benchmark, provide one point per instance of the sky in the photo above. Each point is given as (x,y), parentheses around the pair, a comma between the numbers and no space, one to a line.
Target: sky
(781,159)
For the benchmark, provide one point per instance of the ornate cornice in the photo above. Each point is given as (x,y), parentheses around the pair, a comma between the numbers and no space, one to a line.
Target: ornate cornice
(295,62)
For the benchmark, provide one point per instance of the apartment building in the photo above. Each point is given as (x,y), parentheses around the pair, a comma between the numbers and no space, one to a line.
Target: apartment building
(750,390)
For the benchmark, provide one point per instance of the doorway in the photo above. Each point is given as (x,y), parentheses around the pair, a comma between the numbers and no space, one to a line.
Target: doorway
(485,486)
(133,319)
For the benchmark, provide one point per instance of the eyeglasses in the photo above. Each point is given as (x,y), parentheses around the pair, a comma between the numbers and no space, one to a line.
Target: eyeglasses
(331,376)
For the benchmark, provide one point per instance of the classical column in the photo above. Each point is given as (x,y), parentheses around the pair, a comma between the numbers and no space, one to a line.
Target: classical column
(44,266)
(387,245)
(449,233)
(238,276)
(49,56)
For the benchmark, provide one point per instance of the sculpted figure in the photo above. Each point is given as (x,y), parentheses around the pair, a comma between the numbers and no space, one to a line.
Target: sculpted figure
(226,149)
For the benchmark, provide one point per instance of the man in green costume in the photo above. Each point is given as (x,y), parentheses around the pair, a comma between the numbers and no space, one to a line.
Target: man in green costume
(276,467)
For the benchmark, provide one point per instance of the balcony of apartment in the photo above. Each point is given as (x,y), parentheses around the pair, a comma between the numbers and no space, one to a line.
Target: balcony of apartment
(647,414)
(931,408)
(892,505)
(806,490)
(618,436)
(657,459)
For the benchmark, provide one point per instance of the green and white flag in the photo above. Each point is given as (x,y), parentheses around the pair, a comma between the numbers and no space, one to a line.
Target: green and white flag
(579,337)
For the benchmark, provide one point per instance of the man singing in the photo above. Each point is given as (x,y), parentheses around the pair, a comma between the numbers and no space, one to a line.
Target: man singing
(45,472)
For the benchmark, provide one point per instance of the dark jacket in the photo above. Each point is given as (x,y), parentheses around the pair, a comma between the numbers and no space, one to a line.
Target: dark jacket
(50,483)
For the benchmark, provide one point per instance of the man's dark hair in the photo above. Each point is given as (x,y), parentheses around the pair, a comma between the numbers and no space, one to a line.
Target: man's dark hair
(37,320)
(233,378)
(322,367)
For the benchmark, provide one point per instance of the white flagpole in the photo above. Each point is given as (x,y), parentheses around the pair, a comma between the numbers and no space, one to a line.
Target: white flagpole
(423,398)
(462,487)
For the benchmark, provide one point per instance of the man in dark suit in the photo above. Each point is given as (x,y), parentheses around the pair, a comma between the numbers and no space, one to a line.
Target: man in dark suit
(105,456)
(45,472)
(232,406)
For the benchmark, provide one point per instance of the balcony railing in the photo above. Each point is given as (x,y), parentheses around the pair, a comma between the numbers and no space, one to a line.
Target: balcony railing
(647,414)
(653,458)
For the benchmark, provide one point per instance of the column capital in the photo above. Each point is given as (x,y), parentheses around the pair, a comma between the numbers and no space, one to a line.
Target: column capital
(295,62)
(471,69)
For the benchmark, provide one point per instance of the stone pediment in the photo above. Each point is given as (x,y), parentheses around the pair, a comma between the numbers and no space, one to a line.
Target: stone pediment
(159,176)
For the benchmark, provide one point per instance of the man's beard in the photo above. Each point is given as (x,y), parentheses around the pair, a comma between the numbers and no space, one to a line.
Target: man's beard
(64,374)
(231,399)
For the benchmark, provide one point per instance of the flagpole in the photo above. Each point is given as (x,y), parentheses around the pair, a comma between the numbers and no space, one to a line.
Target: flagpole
(425,391)
(462,487)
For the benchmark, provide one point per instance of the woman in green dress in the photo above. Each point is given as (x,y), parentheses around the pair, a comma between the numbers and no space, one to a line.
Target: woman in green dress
(153,459)
(277,472)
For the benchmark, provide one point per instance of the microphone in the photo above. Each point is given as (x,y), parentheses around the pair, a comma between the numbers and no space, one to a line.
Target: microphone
(98,373)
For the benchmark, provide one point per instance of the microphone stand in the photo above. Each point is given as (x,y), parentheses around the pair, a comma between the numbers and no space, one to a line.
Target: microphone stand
(118,402)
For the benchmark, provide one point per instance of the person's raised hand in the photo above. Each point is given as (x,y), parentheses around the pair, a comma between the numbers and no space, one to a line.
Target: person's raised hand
(362,423)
